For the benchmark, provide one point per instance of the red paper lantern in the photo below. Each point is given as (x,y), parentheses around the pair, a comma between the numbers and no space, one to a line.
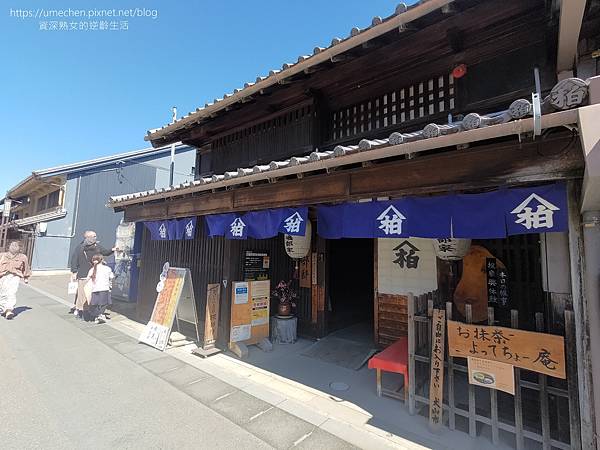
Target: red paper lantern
(459,71)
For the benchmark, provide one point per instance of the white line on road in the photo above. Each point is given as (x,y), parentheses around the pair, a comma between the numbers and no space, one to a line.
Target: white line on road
(256,416)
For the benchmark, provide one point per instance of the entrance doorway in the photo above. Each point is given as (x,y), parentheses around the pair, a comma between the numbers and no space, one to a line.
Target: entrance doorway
(350,288)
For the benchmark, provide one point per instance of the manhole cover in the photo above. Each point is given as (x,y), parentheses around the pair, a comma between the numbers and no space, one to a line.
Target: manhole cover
(339,386)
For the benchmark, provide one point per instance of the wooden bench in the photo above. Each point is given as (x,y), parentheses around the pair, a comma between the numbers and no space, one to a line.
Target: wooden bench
(392,359)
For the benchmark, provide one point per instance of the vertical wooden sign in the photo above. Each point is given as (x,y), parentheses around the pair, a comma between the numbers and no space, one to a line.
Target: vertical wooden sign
(305,272)
(436,385)
(211,321)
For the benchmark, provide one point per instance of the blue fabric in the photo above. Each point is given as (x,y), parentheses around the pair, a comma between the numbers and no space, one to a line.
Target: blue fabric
(540,209)
(289,217)
(416,217)
(490,215)
(478,216)
(186,228)
(259,224)
(162,230)
(330,221)
(218,223)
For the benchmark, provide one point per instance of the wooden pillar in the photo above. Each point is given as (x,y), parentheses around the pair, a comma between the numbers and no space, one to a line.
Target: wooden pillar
(321,286)
(582,330)
(225,306)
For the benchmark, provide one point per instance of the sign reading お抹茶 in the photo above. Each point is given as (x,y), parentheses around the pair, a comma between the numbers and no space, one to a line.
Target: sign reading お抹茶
(539,352)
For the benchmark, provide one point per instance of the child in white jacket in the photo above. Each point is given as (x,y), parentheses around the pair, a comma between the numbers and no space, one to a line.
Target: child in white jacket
(101,277)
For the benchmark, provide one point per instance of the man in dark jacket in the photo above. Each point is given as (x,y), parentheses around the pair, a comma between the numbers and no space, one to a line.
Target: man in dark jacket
(81,262)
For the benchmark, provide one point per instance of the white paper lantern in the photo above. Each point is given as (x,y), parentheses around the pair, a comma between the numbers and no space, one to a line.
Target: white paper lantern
(451,249)
(297,247)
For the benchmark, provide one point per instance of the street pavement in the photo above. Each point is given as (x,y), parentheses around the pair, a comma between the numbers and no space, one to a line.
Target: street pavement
(67,384)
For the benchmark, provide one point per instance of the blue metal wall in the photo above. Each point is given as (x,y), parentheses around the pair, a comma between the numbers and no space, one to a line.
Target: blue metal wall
(86,195)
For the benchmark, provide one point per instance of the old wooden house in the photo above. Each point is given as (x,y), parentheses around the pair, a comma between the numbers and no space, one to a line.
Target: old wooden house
(452,111)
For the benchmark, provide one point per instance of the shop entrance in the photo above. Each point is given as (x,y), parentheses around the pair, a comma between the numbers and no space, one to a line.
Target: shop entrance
(350,288)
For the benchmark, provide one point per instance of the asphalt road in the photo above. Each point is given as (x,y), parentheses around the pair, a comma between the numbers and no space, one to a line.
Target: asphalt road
(65,384)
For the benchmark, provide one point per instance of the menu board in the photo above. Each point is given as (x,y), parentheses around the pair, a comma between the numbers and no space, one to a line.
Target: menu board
(157,331)
(256,266)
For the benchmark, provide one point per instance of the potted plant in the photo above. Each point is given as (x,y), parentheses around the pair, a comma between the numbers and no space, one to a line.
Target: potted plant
(286,296)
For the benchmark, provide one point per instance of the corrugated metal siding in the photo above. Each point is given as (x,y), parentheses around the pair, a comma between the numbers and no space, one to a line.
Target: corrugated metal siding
(202,255)
(205,257)
(282,268)
(96,188)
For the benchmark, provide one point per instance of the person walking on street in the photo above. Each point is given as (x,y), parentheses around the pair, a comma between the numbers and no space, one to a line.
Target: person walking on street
(14,267)
(101,277)
(81,263)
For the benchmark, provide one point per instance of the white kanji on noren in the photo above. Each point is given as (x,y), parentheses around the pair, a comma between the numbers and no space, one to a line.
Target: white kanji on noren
(391,221)
(189,229)
(162,231)
(541,217)
(237,227)
(292,223)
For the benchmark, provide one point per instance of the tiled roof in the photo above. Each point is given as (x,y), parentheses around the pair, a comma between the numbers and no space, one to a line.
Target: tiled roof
(566,94)
(403,14)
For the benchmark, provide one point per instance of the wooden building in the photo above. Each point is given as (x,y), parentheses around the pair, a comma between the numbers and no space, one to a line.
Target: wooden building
(435,100)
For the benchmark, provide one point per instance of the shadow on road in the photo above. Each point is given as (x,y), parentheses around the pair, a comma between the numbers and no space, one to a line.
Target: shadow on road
(20,309)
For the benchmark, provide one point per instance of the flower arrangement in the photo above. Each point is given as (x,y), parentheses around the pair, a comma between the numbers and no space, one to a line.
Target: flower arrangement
(286,296)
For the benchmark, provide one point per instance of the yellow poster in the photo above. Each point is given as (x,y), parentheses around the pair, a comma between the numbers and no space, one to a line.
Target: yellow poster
(492,374)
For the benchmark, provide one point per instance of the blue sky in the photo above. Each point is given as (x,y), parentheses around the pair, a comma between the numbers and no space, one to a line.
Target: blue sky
(69,95)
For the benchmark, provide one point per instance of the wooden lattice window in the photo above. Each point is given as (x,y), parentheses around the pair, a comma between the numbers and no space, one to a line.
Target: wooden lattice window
(410,103)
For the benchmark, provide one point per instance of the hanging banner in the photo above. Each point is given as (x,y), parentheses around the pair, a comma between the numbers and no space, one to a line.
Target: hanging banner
(415,217)
(492,374)
(170,230)
(537,210)
(259,224)
(162,230)
(186,228)
(539,352)
(478,216)
(491,215)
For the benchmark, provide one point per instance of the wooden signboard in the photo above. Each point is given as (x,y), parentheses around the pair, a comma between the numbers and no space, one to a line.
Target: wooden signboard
(305,272)
(539,352)
(250,311)
(157,331)
(211,321)
(436,384)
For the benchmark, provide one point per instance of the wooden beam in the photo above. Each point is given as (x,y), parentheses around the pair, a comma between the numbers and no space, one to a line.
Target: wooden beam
(478,167)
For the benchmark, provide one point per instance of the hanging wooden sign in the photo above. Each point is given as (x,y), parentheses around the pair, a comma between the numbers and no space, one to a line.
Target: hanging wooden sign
(539,352)
(436,384)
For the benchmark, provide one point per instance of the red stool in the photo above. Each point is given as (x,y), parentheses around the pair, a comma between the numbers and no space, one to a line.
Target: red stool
(392,359)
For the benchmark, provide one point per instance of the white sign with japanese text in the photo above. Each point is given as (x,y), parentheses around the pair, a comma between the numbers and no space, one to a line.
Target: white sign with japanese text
(406,265)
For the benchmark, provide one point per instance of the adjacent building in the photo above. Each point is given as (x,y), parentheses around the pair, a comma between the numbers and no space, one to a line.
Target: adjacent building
(50,209)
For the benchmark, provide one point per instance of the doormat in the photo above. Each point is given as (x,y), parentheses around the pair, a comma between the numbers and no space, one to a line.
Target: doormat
(341,352)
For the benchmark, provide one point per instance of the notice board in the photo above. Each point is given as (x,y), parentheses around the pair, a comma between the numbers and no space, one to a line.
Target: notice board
(250,311)
(157,331)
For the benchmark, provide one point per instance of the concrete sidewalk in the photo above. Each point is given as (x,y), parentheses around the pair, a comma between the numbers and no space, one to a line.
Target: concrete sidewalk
(324,411)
